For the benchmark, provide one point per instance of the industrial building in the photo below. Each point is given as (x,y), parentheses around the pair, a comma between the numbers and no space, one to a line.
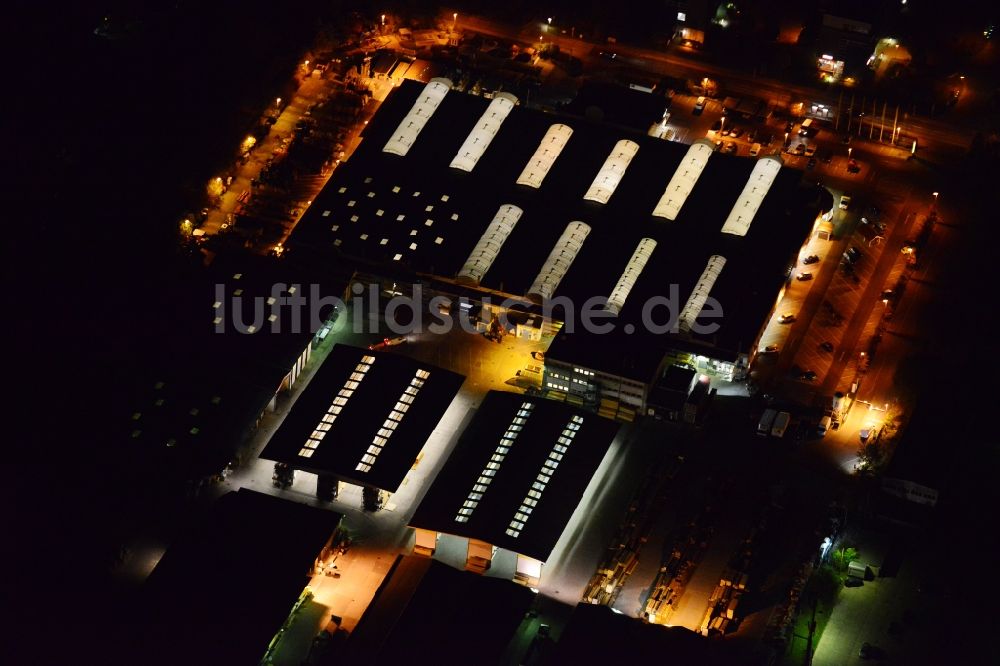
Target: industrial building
(223,590)
(426,612)
(570,214)
(363,419)
(512,483)
(224,365)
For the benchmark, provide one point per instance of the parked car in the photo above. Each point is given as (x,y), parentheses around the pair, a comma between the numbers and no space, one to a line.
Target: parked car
(388,342)
(845,201)
(804,276)
(731,148)
(755,150)
(771,349)
(787,318)
(699,106)
(810,150)
(851,581)
(736,132)
(800,149)
(811,259)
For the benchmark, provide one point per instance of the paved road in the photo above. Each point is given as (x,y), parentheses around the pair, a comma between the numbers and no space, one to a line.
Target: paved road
(732,82)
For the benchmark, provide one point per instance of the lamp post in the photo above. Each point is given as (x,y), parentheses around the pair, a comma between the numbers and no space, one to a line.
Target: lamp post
(383,20)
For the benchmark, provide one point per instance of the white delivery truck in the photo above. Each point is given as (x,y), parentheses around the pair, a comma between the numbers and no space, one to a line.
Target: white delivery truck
(781,424)
(824,425)
(766,421)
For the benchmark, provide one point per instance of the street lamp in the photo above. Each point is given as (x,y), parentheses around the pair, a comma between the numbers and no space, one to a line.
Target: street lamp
(849,151)
(383,19)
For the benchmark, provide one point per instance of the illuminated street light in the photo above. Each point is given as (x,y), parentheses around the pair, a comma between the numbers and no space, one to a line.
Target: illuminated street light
(383,19)
(849,151)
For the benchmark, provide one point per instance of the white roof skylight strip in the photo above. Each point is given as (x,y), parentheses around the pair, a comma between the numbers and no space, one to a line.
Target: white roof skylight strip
(396,416)
(700,293)
(559,260)
(684,179)
(548,468)
(486,476)
(482,134)
(355,379)
(538,166)
(421,111)
(631,274)
(761,179)
(611,173)
(488,248)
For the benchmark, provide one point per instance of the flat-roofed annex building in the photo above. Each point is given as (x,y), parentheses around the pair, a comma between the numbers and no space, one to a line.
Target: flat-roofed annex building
(513,481)
(364,417)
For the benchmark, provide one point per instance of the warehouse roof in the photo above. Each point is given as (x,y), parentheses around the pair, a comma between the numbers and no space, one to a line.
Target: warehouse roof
(427,612)
(222,590)
(415,212)
(598,635)
(364,417)
(191,408)
(517,473)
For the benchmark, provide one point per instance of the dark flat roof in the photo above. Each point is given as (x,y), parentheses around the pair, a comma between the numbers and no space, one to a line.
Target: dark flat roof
(516,473)
(426,612)
(192,405)
(917,456)
(363,415)
(223,589)
(619,105)
(463,204)
(598,635)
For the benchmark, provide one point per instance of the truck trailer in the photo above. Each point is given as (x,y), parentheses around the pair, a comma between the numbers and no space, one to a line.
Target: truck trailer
(766,421)
(781,422)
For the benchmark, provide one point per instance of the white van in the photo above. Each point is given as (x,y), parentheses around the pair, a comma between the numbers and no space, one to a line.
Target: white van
(824,425)
(806,128)
(699,106)
(755,150)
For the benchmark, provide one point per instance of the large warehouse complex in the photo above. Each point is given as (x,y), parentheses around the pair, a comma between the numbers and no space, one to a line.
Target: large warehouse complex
(476,198)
